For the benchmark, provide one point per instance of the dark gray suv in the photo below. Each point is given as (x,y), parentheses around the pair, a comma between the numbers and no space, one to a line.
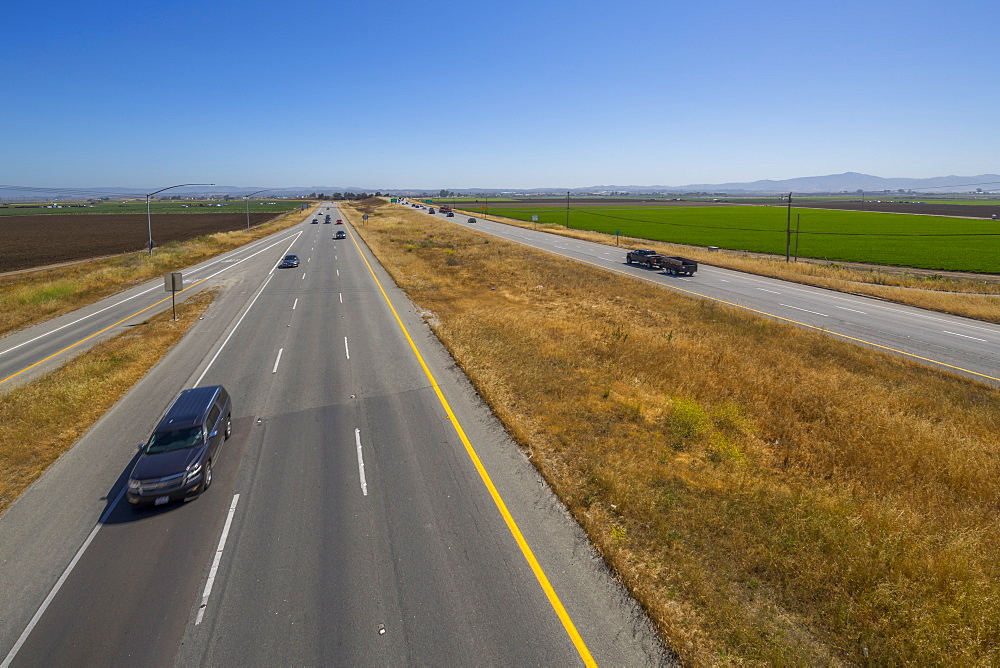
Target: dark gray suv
(176,462)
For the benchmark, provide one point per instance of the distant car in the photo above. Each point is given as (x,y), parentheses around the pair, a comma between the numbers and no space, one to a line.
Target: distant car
(472,220)
(326,222)
(431,211)
(315,222)
(340,222)
(289,261)
(451,214)
(341,234)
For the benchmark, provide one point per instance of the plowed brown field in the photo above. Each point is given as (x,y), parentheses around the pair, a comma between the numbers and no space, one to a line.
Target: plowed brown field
(36,241)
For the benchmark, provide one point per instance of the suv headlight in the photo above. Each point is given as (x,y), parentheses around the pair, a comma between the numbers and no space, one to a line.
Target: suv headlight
(193,473)
(133,484)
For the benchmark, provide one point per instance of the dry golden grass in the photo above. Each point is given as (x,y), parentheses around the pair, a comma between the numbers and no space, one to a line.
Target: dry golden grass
(770,495)
(966,297)
(29,298)
(39,421)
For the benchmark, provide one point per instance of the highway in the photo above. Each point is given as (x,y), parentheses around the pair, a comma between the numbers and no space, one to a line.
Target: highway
(368,509)
(951,343)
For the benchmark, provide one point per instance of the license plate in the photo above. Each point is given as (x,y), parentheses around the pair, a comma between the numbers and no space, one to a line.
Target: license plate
(160,500)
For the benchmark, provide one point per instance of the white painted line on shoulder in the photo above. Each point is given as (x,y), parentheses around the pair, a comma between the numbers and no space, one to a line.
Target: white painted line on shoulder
(295,303)
(347,350)
(62,580)
(965,336)
(275,369)
(76,321)
(218,558)
(805,309)
(361,463)
(212,361)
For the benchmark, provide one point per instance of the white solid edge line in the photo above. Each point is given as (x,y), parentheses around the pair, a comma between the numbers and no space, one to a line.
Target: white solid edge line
(361,463)
(215,562)
(277,360)
(216,355)
(53,331)
(62,579)
(347,351)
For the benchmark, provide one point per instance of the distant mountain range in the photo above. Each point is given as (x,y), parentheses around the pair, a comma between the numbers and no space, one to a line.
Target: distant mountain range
(849,182)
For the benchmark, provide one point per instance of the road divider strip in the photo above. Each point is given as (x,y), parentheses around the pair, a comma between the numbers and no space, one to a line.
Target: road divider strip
(515,531)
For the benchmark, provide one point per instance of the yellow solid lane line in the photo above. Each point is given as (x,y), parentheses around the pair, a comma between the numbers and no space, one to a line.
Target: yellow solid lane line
(753,310)
(529,556)
(73,345)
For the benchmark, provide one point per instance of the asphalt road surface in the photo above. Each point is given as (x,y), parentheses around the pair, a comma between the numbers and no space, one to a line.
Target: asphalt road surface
(347,523)
(951,343)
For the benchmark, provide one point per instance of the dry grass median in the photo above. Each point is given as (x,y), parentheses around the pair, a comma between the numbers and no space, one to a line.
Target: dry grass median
(771,495)
(39,421)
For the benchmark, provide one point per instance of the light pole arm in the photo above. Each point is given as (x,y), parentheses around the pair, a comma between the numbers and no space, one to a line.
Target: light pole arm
(149,219)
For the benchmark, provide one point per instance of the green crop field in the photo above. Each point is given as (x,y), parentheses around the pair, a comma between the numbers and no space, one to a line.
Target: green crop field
(104,208)
(928,242)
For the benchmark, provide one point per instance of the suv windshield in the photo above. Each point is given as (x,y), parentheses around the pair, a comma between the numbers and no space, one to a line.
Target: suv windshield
(164,441)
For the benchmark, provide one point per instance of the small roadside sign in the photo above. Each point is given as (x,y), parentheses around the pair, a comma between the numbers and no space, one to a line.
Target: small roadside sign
(393,200)
(534,219)
(173,283)
(483,208)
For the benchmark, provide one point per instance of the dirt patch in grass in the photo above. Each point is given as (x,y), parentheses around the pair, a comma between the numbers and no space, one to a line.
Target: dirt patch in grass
(41,420)
(769,494)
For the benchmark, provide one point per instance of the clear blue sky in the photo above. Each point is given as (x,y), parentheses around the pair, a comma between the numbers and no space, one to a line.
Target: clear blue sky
(517,94)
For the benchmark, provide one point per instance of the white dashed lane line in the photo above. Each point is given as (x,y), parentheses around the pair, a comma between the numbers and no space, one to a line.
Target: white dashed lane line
(965,336)
(805,309)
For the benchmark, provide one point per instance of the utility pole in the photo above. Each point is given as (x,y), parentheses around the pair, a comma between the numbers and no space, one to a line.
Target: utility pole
(567,209)
(788,230)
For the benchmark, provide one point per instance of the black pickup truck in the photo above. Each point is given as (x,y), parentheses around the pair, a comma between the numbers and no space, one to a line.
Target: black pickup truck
(643,256)
(670,264)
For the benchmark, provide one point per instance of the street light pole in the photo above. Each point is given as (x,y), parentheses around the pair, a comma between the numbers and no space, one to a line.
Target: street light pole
(149,219)
(247,198)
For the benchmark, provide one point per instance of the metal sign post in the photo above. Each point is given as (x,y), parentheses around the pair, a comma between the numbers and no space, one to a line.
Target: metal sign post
(173,283)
